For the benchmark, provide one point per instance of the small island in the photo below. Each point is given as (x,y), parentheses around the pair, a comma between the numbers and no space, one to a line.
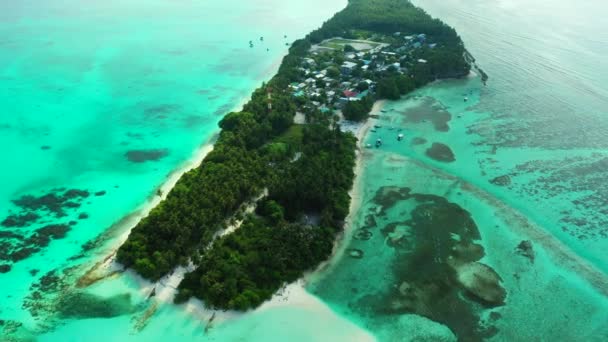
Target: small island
(269,201)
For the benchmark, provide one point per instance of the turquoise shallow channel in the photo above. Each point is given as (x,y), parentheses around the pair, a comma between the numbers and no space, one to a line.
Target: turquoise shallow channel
(103,102)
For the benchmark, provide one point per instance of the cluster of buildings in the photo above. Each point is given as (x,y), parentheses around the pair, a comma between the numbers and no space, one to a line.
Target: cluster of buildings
(331,78)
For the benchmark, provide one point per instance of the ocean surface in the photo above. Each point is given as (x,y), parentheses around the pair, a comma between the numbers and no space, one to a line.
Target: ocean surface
(524,157)
(101,103)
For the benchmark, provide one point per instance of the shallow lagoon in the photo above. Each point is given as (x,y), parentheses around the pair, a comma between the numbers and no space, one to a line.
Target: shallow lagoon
(547,293)
(521,126)
(110,98)
(529,153)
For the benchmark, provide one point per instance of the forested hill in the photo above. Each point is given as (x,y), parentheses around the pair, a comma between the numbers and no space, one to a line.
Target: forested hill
(385,16)
(390,16)
(307,171)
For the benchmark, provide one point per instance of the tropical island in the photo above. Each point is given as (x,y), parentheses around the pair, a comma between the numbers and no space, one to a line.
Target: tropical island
(268,202)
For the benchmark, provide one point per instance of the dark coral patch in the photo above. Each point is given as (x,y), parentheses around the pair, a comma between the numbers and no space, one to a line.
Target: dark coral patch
(43,235)
(23,246)
(5,250)
(525,249)
(6,234)
(418,141)
(429,110)
(54,202)
(370,221)
(437,265)
(501,180)
(85,305)
(76,193)
(23,253)
(71,205)
(20,220)
(161,110)
(441,152)
(50,282)
(363,234)
(142,156)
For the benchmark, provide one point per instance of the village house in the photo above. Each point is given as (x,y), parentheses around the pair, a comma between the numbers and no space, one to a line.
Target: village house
(347,68)
(324,93)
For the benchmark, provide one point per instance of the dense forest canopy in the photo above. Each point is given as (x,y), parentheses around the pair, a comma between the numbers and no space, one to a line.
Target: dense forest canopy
(385,16)
(307,171)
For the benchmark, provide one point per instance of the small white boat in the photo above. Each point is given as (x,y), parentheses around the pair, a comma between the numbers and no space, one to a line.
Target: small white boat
(466,99)
(400,137)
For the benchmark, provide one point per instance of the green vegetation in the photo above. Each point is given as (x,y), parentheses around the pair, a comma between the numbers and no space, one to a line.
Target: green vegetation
(400,48)
(358,110)
(276,244)
(307,170)
(345,44)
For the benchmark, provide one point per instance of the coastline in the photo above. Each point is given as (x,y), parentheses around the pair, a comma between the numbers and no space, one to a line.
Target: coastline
(118,233)
(164,289)
(355,194)
(155,253)
(292,296)
(125,224)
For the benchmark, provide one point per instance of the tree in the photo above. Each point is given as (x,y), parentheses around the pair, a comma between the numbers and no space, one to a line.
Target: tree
(349,48)
(405,84)
(254,152)
(356,110)
(387,89)
(362,86)
(272,210)
(333,72)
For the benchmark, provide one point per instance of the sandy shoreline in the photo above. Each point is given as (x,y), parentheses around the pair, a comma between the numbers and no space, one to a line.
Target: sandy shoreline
(292,295)
(355,193)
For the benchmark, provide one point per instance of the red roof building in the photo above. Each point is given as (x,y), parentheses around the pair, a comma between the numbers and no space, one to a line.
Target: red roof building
(349,93)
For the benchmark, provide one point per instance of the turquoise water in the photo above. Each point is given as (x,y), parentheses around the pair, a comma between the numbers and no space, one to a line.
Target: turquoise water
(529,155)
(110,97)
(555,295)
(547,104)
(154,78)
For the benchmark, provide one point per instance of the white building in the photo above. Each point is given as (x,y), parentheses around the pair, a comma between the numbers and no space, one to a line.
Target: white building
(348,67)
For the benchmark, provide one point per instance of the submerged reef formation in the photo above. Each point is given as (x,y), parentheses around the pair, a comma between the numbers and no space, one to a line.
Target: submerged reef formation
(306,167)
(504,180)
(446,234)
(82,305)
(526,249)
(57,202)
(418,141)
(441,152)
(429,110)
(57,295)
(142,156)
(39,220)
(433,265)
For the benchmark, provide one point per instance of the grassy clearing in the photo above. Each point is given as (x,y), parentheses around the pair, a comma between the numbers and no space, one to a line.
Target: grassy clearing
(338,44)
